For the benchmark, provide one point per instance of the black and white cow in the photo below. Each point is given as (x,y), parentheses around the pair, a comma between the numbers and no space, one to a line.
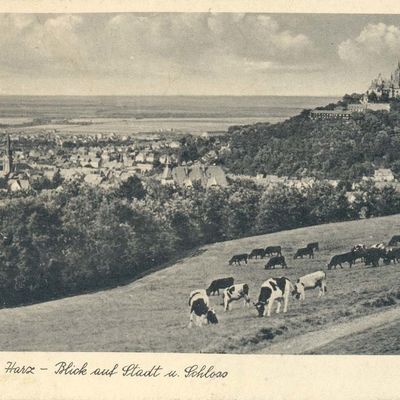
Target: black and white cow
(305,251)
(218,284)
(273,289)
(234,293)
(380,246)
(237,258)
(274,261)
(310,281)
(200,309)
(257,253)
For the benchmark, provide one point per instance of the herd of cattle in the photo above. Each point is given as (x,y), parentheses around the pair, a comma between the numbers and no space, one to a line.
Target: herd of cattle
(279,289)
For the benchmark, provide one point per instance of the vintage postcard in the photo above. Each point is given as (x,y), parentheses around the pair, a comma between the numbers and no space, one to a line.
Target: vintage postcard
(200,200)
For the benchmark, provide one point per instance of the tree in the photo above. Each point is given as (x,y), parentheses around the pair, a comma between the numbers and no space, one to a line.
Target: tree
(131,189)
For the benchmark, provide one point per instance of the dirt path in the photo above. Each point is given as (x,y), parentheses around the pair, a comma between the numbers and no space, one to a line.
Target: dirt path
(313,340)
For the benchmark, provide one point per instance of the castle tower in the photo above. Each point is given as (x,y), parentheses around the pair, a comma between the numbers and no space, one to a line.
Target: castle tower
(7,159)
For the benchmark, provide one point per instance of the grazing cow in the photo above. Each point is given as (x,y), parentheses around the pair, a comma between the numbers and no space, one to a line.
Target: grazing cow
(359,251)
(394,240)
(305,251)
(270,250)
(237,258)
(200,309)
(392,254)
(218,284)
(380,246)
(339,259)
(359,247)
(234,293)
(373,255)
(310,281)
(273,289)
(257,252)
(313,246)
(277,260)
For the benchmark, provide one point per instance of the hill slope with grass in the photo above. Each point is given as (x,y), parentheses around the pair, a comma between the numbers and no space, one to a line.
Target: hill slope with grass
(152,314)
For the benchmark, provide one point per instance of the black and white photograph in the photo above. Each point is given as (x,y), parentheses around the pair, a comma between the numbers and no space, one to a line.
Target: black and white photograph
(200,182)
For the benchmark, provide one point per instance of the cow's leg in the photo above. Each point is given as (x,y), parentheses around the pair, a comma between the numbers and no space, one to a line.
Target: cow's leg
(341,266)
(286,301)
(278,308)
(269,308)
(226,303)
(191,320)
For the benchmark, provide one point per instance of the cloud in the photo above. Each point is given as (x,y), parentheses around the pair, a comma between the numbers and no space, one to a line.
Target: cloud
(375,43)
(136,43)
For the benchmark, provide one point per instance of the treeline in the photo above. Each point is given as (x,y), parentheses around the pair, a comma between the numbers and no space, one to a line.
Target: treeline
(82,238)
(342,149)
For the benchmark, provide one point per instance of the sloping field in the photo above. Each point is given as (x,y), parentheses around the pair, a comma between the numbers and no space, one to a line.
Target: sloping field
(151,314)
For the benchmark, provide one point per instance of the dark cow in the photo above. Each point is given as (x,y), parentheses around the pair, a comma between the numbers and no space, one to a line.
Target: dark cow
(359,251)
(394,240)
(270,250)
(274,261)
(305,251)
(257,253)
(313,246)
(237,258)
(234,293)
(218,284)
(339,259)
(200,309)
(373,255)
(273,289)
(392,255)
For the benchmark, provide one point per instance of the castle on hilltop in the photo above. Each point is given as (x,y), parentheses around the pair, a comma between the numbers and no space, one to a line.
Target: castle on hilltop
(386,88)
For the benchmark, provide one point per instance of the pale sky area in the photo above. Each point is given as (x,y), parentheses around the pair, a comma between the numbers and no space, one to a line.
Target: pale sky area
(195,54)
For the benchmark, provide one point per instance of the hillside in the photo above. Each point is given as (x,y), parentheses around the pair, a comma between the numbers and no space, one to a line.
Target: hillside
(299,146)
(151,314)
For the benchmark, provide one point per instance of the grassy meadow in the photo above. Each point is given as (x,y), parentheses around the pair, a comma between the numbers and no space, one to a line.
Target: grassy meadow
(151,314)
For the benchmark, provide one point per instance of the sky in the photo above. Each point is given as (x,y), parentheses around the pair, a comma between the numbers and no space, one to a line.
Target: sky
(195,53)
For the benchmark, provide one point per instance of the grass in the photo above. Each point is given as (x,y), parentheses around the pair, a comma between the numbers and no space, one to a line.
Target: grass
(151,314)
(382,340)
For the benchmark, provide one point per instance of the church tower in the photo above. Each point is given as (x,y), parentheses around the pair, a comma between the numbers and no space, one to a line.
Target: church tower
(7,159)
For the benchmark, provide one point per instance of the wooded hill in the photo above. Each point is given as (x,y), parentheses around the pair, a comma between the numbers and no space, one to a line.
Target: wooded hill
(299,146)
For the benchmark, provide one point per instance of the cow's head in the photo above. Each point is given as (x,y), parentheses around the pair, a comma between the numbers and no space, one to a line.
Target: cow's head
(208,291)
(295,291)
(212,317)
(260,308)
(231,261)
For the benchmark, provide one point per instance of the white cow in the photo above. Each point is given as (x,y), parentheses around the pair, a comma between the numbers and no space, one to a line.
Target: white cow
(311,281)
(236,292)
(274,289)
(199,304)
